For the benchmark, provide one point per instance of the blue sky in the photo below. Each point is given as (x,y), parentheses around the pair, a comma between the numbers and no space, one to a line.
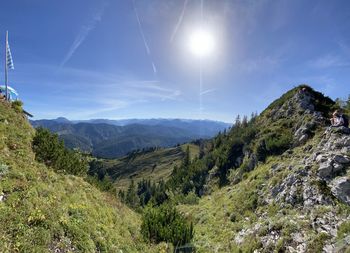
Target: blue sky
(92,59)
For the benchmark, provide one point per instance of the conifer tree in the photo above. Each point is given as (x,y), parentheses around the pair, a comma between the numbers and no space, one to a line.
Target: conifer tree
(238,121)
(187,160)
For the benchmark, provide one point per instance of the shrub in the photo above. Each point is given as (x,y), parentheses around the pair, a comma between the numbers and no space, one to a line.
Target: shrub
(316,245)
(143,193)
(105,184)
(51,151)
(344,230)
(165,223)
(17,105)
(277,144)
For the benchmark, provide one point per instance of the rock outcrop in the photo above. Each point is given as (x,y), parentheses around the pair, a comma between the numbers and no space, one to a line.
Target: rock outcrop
(340,188)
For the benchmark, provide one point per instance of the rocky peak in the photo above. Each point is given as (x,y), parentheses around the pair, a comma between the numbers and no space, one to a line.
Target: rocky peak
(299,102)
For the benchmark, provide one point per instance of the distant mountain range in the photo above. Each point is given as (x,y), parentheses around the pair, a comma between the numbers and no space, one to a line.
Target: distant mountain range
(114,138)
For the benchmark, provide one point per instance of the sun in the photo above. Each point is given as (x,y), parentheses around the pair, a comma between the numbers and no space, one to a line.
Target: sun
(201,43)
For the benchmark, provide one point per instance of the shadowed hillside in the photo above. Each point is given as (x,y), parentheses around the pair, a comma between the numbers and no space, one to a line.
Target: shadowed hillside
(107,139)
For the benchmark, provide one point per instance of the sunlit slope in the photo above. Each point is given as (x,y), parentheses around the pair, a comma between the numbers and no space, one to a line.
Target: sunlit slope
(151,165)
(295,199)
(41,211)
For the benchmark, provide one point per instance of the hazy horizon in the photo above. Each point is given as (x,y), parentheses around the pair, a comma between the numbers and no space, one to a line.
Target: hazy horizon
(119,119)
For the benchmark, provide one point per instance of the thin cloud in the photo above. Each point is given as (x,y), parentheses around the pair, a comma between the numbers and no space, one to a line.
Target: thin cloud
(207,91)
(328,61)
(144,38)
(83,33)
(179,22)
(89,93)
(151,90)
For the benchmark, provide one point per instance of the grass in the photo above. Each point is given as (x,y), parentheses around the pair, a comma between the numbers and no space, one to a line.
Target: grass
(154,166)
(318,242)
(43,211)
(220,217)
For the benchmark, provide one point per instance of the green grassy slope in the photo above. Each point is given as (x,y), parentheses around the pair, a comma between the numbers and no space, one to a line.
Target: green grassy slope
(154,165)
(41,211)
(237,218)
(245,216)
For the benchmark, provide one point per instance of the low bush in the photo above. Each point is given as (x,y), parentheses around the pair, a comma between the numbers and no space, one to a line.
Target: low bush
(317,243)
(17,105)
(165,223)
(51,151)
(344,230)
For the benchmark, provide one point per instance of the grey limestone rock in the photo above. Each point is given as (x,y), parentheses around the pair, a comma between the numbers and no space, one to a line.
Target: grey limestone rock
(325,170)
(341,159)
(340,188)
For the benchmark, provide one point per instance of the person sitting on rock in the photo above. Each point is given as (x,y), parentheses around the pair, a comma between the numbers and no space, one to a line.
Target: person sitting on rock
(337,120)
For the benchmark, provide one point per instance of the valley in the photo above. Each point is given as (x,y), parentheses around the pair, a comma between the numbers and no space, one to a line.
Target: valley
(275,182)
(154,165)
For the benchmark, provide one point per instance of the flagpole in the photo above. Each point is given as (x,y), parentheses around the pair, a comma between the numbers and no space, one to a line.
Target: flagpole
(6,67)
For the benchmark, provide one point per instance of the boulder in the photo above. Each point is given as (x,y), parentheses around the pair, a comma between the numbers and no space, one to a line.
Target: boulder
(305,102)
(340,188)
(341,159)
(302,134)
(345,150)
(337,167)
(321,158)
(325,170)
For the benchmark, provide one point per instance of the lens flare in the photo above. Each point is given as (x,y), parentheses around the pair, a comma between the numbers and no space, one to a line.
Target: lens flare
(201,43)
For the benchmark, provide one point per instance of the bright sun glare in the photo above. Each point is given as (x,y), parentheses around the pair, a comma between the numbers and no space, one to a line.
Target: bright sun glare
(201,43)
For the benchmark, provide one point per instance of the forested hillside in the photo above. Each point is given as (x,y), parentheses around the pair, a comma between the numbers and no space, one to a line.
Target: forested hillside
(151,164)
(108,140)
(278,182)
(275,182)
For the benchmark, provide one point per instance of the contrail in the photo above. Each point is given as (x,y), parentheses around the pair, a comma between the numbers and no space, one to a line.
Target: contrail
(178,24)
(154,68)
(144,38)
(84,32)
(207,91)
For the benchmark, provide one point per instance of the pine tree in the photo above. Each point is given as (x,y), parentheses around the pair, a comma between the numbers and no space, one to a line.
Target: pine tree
(131,197)
(238,121)
(244,122)
(187,158)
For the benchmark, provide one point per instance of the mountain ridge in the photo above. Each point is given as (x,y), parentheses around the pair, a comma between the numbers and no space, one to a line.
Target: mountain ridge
(278,182)
(112,141)
(287,188)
